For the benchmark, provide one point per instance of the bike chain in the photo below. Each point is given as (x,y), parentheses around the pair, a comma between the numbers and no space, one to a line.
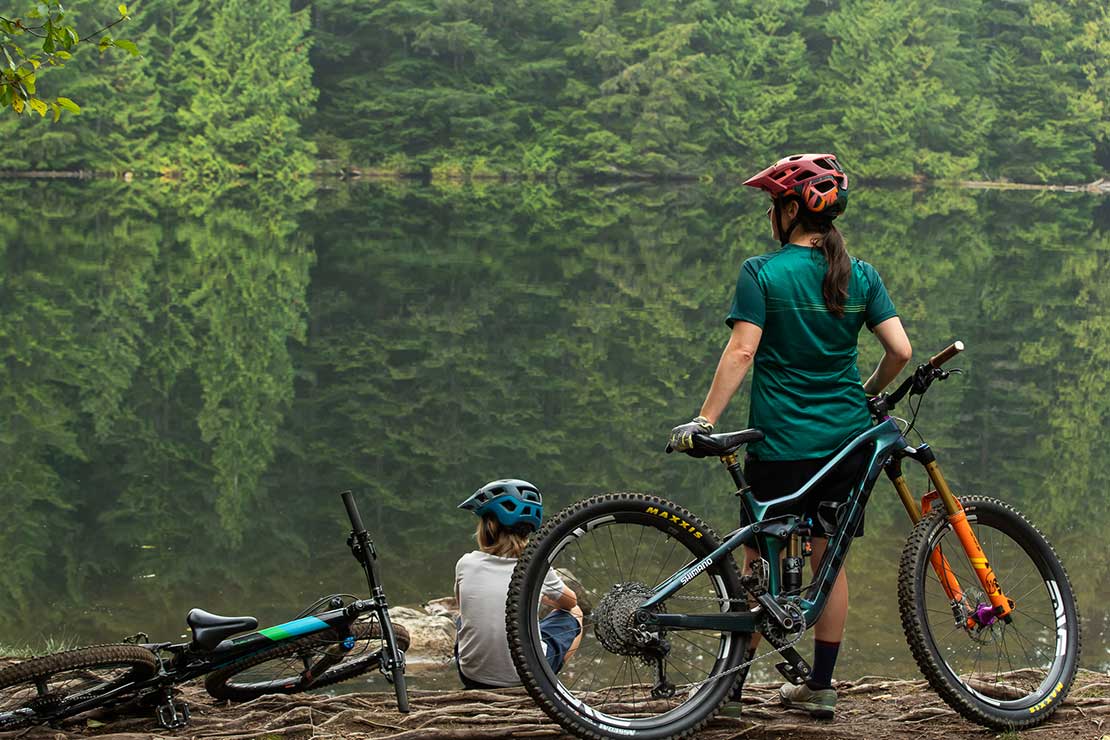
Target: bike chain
(801,633)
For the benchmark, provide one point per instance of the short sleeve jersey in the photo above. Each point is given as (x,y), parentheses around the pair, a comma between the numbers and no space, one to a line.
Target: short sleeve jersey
(482,583)
(806,391)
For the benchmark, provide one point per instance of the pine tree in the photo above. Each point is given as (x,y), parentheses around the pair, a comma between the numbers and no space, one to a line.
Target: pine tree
(884,92)
(1046,77)
(253,87)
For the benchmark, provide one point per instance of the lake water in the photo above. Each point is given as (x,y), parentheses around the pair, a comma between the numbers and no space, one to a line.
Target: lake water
(189,379)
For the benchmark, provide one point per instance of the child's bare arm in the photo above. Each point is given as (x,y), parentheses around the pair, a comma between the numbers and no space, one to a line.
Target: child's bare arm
(566,601)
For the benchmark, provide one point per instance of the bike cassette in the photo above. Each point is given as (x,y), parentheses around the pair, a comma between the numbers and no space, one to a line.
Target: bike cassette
(615,624)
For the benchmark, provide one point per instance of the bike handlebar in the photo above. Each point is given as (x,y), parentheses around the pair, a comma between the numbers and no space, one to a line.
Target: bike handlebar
(946,354)
(923,377)
(352,512)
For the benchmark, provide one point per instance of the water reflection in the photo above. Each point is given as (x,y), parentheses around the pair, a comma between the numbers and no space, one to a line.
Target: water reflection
(187,385)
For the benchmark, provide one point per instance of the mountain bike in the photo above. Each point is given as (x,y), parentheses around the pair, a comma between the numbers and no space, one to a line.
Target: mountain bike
(329,642)
(985,604)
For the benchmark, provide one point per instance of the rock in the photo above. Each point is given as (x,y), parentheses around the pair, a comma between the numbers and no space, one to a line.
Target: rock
(431,636)
(448,606)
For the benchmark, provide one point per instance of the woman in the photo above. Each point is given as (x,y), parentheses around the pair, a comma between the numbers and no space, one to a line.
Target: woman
(796,317)
(509,511)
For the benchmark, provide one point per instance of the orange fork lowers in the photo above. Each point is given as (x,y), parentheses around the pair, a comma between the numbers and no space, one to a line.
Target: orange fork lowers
(957,519)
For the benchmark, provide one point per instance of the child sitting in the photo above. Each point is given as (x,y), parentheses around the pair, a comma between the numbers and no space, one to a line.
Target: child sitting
(509,511)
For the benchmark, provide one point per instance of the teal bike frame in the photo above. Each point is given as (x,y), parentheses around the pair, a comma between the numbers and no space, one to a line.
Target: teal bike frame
(770,535)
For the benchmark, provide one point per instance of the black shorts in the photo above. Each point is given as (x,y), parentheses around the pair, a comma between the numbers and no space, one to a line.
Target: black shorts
(771,479)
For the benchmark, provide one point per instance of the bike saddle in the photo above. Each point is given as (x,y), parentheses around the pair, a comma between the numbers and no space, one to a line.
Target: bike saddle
(724,443)
(210,629)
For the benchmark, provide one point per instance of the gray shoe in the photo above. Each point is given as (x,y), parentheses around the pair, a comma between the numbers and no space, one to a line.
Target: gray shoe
(819,704)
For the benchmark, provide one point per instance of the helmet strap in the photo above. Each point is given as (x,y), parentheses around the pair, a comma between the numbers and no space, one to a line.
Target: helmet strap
(784,234)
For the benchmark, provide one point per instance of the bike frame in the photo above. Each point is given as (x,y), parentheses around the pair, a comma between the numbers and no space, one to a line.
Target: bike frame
(187,662)
(771,536)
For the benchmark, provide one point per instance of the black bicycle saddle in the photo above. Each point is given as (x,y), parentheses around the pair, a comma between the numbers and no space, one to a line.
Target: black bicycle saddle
(210,629)
(724,443)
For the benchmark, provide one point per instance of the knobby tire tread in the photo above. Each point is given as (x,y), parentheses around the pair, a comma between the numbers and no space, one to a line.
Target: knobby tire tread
(141,660)
(216,683)
(916,628)
(517,584)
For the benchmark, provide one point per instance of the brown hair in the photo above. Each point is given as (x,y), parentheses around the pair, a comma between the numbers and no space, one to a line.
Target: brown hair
(497,540)
(831,243)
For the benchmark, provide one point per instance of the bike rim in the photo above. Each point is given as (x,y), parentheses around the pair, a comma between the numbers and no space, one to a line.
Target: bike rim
(290,672)
(1007,666)
(613,689)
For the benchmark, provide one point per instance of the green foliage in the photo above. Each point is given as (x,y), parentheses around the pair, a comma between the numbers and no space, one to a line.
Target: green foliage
(43,39)
(456,89)
(243,119)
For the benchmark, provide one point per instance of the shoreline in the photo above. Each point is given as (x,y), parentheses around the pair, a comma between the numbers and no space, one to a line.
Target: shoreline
(357,174)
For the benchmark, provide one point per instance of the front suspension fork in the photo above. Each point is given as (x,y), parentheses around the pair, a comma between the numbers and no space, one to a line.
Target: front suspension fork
(1001,605)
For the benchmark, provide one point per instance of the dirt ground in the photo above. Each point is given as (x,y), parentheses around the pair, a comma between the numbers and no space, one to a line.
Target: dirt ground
(870,708)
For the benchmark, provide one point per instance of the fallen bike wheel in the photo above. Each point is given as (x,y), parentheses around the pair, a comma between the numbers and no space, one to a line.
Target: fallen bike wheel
(309,662)
(1005,674)
(624,681)
(61,685)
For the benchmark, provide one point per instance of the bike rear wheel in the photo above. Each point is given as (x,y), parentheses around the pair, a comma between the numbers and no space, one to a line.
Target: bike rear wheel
(288,667)
(1003,675)
(61,685)
(618,548)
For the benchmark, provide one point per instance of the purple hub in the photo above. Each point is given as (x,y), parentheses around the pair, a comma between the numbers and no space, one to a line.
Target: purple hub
(984,615)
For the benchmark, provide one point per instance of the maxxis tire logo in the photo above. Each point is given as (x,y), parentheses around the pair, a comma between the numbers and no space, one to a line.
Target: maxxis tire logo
(674,519)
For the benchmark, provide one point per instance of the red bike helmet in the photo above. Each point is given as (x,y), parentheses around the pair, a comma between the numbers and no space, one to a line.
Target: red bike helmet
(816,179)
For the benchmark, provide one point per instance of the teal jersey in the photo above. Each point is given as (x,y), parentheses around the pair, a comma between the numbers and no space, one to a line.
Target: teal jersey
(806,391)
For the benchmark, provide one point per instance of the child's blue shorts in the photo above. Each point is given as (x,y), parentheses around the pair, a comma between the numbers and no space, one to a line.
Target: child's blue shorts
(558,630)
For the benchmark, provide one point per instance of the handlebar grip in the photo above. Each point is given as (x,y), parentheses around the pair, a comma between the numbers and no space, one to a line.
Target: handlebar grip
(946,354)
(352,512)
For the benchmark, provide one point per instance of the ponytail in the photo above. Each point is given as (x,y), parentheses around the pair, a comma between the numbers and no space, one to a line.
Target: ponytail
(835,285)
(834,288)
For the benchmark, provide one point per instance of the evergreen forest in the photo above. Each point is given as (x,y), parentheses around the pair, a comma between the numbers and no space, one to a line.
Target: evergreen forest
(224,90)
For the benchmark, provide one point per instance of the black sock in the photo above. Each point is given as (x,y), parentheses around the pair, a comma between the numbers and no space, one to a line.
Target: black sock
(824,660)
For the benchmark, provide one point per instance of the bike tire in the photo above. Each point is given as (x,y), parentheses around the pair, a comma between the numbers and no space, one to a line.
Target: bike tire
(222,683)
(558,701)
(19,708)
(1018,538)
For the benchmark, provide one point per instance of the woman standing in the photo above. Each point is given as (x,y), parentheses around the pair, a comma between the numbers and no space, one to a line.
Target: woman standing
(796,316)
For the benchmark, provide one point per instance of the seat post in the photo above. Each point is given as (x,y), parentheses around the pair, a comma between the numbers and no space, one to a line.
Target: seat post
(733,466)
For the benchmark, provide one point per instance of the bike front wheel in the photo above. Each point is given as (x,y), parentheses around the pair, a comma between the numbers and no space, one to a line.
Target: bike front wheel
(309,662)
(1005,674)
(61,685)
(624,681)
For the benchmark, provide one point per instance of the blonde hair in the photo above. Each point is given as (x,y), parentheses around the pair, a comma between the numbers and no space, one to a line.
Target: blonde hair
(495,539)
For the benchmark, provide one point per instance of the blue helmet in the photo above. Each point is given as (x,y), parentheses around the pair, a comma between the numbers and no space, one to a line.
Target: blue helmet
(511,500)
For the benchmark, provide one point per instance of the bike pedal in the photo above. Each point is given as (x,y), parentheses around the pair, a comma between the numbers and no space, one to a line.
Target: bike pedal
(173,716)
(792,674)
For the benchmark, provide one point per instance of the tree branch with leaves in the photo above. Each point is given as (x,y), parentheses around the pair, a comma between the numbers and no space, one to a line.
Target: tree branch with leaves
(40,40)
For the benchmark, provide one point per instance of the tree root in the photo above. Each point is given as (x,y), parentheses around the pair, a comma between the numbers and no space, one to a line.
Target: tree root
(871,707)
